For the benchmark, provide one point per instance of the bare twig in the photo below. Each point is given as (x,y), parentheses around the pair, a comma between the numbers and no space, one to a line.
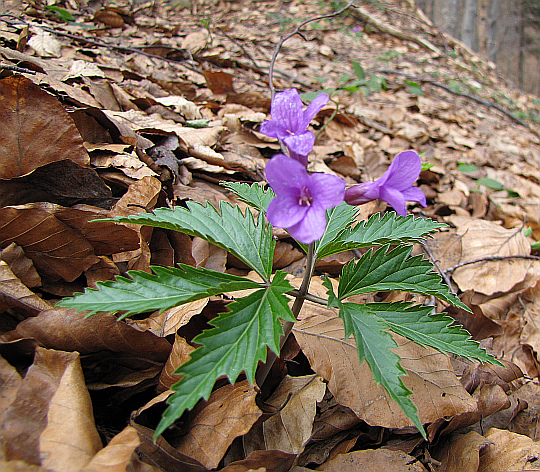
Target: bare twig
(22,70)
(435,262)
(282,39)
(460,94)
(491,258)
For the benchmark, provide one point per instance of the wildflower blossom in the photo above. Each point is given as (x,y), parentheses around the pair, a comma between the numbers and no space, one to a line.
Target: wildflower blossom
(290,121)
(301,198)
(395,185)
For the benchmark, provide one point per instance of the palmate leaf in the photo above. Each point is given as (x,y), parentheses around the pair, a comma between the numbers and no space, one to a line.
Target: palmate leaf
(377,231)
(393,270)
(230,229)
(414,322)
(254,195)
(166,288)
(373,345)
(236,344)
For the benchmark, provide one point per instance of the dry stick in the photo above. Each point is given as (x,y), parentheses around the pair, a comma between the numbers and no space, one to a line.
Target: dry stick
(460,94)
(435,262)
(282,39)
(491,258)
(22,70)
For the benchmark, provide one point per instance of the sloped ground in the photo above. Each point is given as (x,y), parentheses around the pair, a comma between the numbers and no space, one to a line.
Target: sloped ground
(138,106)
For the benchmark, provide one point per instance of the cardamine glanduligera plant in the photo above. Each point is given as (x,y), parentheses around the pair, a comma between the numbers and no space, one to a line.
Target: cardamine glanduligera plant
(320,214)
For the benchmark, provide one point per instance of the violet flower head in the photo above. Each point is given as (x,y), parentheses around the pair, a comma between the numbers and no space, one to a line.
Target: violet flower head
(290,121)
(395,185)
(301,198)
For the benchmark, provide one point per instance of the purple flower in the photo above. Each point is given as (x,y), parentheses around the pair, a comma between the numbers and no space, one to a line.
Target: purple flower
(395,185)
(301,198)
(289,122)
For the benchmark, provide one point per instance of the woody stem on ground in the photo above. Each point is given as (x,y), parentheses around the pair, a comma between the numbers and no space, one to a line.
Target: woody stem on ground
(300,295)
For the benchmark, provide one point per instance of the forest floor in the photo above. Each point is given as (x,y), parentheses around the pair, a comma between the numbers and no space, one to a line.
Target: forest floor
(113,110)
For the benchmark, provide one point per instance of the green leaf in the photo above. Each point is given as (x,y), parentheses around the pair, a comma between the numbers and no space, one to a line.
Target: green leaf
(393,270)
(359,70)
(415,322)
(490,183)
(467,168)
(254,195)
(373,345)
(166,288)
(236,344)
(310,96)
(229,229)
(377,231)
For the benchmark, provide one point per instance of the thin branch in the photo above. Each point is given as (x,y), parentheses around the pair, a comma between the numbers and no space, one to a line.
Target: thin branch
(460,94)
(22,70)
(282,39)
(435,262)
(491,258)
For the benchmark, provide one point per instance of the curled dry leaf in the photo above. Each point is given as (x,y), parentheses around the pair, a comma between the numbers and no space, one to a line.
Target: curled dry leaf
(69,331)
(14,294)
(179,354)
(56,250)
(295,400)
(436,390)
(460,452)
(229,412)
(36,129)
(508,451)
(373,459)
(120,455)
(50,420)
(20,265)
(480,238)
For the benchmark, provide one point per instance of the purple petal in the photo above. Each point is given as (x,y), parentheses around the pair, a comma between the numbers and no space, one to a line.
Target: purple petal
(395,199)
(297,157)
(274,129)
(327,190)
(287,110)
(284,173)
(404,170)
(314,107)
(362,193)
(300,143)
(414,194)
(284,211)
(311,227)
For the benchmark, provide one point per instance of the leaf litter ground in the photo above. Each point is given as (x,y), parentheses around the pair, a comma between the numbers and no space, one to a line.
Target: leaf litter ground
(134,107)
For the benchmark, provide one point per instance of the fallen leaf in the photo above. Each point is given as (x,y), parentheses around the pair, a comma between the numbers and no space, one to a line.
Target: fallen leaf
(460,452)
(180,353)
(508,451)
(373,459)
(20,265)
(36,129)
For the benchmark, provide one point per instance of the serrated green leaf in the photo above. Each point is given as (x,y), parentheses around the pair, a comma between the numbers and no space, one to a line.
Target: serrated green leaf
(166,288)
(229,229)
(373,345)
(236,344)
(393,270)
(377,231)
(415,322)
(254,195)
(490,183)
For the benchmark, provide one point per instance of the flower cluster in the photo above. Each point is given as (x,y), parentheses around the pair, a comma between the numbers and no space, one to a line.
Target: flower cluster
(302,198)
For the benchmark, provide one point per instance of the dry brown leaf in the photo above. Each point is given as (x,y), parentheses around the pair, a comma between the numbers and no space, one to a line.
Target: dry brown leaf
(263,461)
(14,294)
(120,455)
(180,353)
(20,265)
(169,321)
(526,421)
(436,390)
(69,331)
(36,129)
(229,412)
(21,466)
(296,401)
(482,238)
(56,250)
(70,438)
(508,451)
(208,256)
(10,381)
(460,452)
(105,269)
(373,459)
(53,386)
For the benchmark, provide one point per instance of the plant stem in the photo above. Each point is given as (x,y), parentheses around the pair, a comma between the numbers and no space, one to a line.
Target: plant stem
(300,294)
